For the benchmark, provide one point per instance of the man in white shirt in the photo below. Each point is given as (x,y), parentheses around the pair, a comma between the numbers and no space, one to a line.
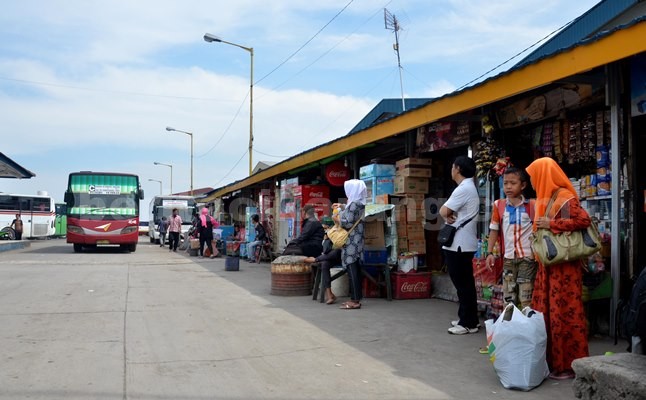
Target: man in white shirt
(461,211)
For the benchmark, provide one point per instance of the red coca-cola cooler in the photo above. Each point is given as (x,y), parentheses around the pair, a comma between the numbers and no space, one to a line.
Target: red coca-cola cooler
(411,285)
(316,195)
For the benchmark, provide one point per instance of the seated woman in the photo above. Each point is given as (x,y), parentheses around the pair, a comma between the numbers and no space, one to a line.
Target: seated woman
(238,237)
(329,259)
(310,240)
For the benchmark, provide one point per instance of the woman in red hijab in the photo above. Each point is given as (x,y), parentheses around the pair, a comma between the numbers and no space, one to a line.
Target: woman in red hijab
(558,288)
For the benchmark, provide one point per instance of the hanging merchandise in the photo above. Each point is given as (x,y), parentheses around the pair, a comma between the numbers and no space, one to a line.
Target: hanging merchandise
(556,141)
(574,145)
(588,138)
(487,152)
(536,141)
(547,141)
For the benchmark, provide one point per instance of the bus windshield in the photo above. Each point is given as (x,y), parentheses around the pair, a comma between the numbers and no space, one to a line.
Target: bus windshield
(103,196)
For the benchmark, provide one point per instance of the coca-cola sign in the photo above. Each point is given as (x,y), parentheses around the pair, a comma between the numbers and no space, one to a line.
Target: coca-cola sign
(414,287)
(336,173)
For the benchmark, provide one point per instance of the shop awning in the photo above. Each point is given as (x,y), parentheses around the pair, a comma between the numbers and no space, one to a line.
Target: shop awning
(11,169)
(602,49)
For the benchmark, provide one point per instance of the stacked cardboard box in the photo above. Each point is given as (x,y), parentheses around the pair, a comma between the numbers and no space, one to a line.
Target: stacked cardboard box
(379,180)
(411,183)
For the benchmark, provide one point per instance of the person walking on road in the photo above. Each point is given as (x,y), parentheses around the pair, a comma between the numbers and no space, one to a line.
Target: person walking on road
(205,225)
(174,229)
(16,224)
(163,229)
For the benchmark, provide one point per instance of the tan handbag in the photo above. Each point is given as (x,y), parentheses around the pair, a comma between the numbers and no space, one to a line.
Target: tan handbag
(339,236)
(554,248)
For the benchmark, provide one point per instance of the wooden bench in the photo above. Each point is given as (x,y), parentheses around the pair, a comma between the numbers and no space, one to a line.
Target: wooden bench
(384,268)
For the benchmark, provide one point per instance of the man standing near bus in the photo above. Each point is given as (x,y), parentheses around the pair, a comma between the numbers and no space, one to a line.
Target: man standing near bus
(16,224)
(174,229)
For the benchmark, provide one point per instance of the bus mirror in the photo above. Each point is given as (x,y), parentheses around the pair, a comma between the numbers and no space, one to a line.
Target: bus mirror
(68,197)
(141,194)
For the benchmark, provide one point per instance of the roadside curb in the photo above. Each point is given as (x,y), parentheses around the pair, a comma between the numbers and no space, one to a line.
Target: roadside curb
(14,245)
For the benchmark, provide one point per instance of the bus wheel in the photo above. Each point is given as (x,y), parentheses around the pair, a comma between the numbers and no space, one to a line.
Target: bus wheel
(77,248)
(133,247)
(152,240)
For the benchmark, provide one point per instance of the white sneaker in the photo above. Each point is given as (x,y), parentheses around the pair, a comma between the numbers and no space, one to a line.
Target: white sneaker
(461,330)
(455,323)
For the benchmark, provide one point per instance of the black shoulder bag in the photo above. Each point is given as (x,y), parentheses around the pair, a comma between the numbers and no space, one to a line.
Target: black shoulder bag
(447,233)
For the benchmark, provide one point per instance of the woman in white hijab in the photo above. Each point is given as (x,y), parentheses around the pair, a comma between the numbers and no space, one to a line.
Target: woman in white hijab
(355,191)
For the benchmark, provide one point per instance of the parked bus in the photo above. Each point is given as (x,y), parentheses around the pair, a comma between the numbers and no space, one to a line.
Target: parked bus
(60,223)
(103,209)
(36,213)
(162,206)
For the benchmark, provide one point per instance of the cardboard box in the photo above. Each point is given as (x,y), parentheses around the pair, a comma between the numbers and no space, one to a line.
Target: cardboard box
(379,186)
(412,285)
(414,171)
(382,198)
(415,231)
(413,200)
(375,170)
(402,228)
(417,245)
(414,215)
(402,244)
(413,162)
(373,235)
(406,184)
(399,214)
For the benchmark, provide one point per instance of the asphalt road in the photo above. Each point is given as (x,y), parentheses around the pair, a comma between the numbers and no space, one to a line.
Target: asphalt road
(159,325)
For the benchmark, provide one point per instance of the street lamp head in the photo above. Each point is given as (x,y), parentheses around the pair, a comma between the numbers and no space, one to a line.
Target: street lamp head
(155,162)
(211,38)
(169,129)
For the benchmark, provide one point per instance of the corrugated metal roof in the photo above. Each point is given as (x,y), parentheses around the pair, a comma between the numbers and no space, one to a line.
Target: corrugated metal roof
(387,108)
(457,94)
(11,169)
(581,28)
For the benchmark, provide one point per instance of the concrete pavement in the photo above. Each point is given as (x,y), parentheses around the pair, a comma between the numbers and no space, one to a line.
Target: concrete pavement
(160,325)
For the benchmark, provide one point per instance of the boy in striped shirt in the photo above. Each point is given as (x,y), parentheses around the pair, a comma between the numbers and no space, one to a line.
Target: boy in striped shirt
(511,222)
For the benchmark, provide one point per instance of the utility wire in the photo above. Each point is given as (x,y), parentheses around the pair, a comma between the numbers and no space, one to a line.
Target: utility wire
(232,168)
(327,51)
(269,155)
(516,55)
(244,102)
(304,44)
(37,83)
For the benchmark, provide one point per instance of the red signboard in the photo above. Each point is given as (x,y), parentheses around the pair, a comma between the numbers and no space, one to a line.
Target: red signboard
(336,173)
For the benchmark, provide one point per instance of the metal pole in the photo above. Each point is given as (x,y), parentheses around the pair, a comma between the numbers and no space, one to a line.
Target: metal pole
(171,178)
(613,82)
(251,115)
(191,135)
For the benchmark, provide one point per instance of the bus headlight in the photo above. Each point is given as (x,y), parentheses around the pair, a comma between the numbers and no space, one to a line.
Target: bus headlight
(129,229)
(75,229)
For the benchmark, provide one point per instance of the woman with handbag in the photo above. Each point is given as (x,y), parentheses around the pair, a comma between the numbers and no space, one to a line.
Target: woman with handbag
(558,288)
(460,211)
(349,218)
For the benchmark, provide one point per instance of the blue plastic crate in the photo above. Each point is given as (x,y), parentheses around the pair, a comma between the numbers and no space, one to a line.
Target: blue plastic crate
(375,256)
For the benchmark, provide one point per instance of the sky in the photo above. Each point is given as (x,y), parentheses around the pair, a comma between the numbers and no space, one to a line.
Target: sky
(92,85)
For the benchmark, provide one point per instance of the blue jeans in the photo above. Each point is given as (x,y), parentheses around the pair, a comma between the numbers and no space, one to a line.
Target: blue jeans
(251,249)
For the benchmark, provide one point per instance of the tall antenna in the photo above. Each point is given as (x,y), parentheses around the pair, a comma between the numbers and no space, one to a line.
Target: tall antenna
(391,23)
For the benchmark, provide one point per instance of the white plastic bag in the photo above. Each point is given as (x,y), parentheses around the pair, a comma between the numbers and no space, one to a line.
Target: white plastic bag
(517,347)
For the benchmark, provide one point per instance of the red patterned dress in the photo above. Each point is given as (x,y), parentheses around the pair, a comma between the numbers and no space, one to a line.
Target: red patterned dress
(557,294)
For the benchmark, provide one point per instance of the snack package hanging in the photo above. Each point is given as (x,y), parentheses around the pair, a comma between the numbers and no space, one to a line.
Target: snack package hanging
(517,347)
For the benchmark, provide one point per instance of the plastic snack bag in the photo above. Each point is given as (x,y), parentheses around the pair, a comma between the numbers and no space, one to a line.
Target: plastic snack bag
(517,347)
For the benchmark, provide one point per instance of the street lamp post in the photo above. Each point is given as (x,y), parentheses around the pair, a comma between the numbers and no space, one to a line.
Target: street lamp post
(169,129)
(160,185)
(171,174)
(212,38)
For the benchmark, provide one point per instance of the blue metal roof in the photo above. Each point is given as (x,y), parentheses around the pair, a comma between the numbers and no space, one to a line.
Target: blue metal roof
(11,169)
(385,109)
(581,28)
